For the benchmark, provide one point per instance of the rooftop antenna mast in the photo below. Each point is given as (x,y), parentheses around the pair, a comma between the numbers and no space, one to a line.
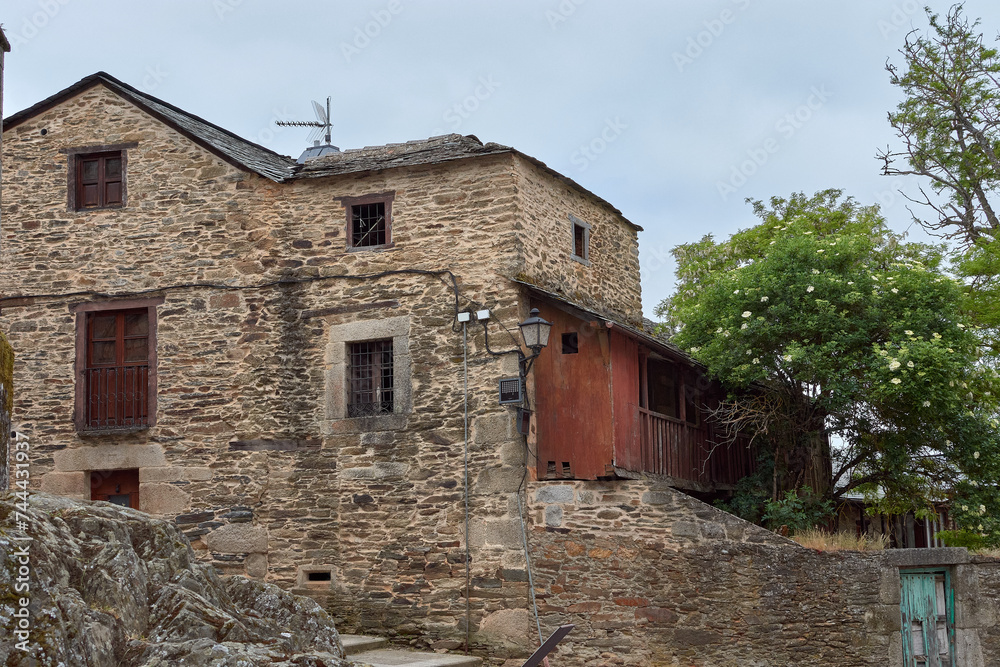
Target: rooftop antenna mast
(322,123)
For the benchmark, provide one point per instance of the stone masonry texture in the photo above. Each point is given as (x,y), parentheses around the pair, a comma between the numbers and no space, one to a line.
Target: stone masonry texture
(247,455)
(251,455)
(650,576)
(6,407)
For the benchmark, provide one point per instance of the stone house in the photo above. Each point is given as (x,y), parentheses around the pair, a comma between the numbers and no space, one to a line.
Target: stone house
(270,352)
(272,355)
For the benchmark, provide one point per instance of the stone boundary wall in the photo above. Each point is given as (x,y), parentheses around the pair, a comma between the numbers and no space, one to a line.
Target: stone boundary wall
(651,576)
(6,408)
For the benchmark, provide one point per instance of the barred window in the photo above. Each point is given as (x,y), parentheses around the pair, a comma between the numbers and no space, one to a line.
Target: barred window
(371,386)
(368,225)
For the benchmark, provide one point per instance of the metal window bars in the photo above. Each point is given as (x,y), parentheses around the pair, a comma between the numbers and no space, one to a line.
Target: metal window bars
(371,379)
(368,226)
(117,397)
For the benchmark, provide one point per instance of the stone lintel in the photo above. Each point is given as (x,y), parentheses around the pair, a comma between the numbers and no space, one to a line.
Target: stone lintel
(109,457)
(939,556)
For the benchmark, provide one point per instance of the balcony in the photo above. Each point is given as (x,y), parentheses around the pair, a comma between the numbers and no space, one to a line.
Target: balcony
(117,398)
(672,447)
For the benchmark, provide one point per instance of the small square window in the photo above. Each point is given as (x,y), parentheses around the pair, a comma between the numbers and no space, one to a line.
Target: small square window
(580,240)
(570,343)
(311,576)
(100,180)
(369,221)
(368,225)
(371,379)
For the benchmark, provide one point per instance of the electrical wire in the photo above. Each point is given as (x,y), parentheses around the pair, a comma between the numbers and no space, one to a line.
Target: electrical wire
(301,280)
(501,353)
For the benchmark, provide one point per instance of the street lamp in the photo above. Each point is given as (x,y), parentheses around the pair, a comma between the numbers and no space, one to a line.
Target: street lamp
(535,332)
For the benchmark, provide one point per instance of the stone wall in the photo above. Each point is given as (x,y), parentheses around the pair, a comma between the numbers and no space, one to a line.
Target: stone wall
(4,47)
(653,577)
(609,281)
(6,407)
(249,455)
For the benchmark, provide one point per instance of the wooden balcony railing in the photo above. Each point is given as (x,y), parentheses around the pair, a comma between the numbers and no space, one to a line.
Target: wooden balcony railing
(673,447)
(117,397)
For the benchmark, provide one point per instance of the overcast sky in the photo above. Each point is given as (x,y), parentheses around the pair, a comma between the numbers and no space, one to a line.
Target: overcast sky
(675,112)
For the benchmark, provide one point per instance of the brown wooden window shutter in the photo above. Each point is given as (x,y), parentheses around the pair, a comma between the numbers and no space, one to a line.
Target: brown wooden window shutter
(99,180)
(117,369)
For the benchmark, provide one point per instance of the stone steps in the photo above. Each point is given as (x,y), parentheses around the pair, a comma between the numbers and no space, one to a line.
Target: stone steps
(371,651)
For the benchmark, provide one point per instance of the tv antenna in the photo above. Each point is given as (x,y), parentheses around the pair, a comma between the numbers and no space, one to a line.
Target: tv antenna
(321,125)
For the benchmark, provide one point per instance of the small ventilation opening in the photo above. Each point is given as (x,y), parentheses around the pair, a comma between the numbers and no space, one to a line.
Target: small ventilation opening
(550,470)
(567,470)
(319,576)
(570,343)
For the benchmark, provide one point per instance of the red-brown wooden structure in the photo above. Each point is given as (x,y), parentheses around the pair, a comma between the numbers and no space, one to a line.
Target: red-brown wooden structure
(613,401)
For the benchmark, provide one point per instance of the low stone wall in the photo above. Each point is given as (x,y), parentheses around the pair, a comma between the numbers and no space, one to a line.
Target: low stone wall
(6,406)
(650,576)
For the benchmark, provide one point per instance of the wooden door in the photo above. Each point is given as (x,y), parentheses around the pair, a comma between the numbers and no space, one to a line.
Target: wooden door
(120,487)
(927,607)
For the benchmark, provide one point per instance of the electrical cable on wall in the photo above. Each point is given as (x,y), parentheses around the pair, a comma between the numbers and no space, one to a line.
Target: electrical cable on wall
(223,286)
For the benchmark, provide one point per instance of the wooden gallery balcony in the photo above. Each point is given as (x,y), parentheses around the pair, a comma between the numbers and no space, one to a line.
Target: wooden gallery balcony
(612,401)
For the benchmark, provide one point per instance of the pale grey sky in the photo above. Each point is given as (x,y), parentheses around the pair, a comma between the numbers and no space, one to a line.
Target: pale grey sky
(673,111)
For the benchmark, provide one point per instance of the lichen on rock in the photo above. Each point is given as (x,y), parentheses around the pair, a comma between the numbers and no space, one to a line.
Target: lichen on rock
(113,587)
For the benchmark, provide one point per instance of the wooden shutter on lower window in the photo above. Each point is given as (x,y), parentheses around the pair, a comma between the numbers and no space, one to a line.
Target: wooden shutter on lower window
(117,369)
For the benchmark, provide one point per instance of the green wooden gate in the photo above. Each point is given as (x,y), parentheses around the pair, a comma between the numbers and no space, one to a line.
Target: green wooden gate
(928,618)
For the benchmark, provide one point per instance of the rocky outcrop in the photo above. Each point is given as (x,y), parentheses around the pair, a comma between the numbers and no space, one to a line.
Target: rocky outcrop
(110,586)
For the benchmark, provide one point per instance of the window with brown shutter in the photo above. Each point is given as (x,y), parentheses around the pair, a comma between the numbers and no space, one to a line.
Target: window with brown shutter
(580,240)
(100,180)
(119,487)
(117,369)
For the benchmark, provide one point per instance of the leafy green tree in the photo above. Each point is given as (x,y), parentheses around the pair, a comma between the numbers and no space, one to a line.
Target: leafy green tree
(826,327)
(948,125)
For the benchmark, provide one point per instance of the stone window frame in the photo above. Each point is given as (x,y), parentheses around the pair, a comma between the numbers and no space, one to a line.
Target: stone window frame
(574,224)
(75,154)
(340,338)
(81,311)
(376,198)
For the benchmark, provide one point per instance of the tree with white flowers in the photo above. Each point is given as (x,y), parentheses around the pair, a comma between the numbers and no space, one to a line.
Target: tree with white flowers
(825,326)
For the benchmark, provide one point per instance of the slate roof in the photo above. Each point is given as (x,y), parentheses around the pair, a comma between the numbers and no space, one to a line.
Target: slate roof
(4,44)
(443,148)
(424,151)
(228,146)
(282,168)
